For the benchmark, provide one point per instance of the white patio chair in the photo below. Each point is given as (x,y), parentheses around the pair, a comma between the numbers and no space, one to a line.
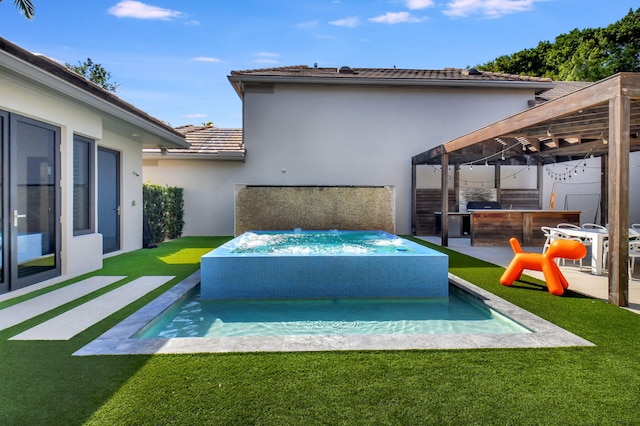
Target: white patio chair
(594,227)
(635,226)
(634,252)
(561,235)
(568,225)
(549,237)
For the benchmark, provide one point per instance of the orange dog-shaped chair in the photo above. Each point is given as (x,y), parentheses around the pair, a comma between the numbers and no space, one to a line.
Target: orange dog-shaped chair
(556,282)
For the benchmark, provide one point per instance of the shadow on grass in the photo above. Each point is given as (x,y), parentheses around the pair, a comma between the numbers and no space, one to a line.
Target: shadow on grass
(537,285)
(43,384)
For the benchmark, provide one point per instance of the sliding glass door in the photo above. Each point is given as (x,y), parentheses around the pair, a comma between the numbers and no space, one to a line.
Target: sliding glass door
(30,201)
(4,173)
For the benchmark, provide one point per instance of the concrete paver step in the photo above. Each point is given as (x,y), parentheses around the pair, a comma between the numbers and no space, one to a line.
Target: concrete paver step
(76,320)
(31,308)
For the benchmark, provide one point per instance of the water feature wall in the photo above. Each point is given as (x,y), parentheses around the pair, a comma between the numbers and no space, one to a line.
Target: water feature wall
(314,207)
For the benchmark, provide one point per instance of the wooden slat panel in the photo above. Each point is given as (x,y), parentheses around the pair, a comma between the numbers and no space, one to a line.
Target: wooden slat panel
(519,199)
(493,229)
(550,219)
(427,202)
(496,227)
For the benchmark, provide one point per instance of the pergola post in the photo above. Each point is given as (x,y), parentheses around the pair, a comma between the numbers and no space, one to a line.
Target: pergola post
(619,144)
(456,185)
(497,180)
(604,190)
(414,207)
(444,235)
(540,184)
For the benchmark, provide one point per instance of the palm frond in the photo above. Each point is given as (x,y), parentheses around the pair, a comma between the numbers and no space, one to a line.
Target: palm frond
(26,8)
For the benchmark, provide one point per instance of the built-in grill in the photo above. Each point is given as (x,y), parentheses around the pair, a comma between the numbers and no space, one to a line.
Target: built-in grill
(483,205)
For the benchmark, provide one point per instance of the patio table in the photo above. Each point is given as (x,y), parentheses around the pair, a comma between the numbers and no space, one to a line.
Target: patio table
(597,237)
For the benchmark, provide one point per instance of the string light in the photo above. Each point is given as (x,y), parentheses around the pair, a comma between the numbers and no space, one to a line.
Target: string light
(569,172)
(499,153)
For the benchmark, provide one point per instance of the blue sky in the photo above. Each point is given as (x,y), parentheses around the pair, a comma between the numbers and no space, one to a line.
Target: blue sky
(172,58)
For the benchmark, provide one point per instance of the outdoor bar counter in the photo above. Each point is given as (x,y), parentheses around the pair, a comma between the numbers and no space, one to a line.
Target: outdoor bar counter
(496,227)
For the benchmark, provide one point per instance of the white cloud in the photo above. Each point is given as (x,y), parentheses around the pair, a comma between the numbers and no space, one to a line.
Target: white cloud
(419,4)
(396,18)
(350,22)
(196,115)
(488,8)
(207,59)
(139,10)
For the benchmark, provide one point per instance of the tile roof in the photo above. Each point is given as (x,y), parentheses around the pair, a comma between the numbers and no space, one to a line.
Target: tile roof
(560,89)
(206,141)
(386,73)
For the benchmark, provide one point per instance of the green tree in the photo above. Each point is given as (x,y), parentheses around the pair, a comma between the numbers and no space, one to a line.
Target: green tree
(95,73)
(25,7)
(580,55)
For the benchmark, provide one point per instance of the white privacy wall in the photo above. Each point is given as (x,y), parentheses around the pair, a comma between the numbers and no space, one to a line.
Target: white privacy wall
(332,135)
(208,191)
(576,184)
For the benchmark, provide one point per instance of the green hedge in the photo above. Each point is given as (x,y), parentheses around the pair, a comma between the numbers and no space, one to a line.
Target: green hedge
(163,208)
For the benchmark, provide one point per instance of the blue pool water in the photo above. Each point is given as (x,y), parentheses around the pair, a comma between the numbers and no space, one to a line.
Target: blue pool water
(306,243)
(460,313)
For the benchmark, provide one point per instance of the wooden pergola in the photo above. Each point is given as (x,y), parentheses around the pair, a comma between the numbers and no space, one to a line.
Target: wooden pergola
(600,120)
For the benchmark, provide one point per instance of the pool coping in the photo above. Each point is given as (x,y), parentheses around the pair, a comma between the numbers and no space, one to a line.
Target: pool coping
(118,341)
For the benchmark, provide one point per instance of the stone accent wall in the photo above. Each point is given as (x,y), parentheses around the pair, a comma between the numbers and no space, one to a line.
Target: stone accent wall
(314,207)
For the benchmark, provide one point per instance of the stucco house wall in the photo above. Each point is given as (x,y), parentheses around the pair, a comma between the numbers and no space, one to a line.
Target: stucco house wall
(35,88)
(299,134)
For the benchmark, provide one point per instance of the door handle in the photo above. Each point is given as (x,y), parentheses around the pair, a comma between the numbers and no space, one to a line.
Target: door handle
(17,216)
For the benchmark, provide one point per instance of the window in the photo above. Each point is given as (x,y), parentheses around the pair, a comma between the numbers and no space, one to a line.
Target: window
(83,184)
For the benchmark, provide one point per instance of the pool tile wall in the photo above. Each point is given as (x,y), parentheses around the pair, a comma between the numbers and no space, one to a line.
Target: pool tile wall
(416,272)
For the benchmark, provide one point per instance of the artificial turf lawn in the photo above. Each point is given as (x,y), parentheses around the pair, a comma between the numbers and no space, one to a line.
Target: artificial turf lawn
(41,383)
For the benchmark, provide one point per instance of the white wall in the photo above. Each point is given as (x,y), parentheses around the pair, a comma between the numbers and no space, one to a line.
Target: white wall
(80,254)
(208,191)
(581,191)
(301,135)
(479,176)
(576,186)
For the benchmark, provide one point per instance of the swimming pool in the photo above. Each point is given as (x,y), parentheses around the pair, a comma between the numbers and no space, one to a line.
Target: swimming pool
(120,339)
(304,264)
(458,314)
